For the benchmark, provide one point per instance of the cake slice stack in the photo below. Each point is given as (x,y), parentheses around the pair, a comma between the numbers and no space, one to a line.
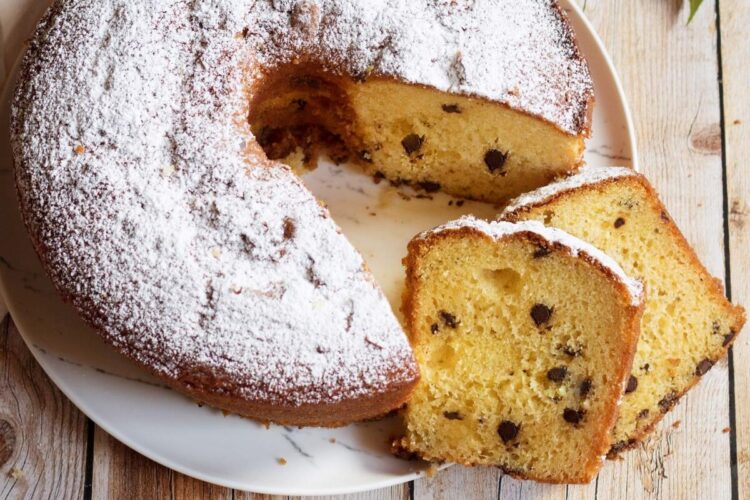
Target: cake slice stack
(525,337)
(688,324)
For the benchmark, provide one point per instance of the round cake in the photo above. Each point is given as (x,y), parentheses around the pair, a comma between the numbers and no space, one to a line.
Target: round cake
(145,132)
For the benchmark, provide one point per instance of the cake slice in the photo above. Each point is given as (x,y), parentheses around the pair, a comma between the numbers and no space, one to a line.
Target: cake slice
(687,325)
(524,336)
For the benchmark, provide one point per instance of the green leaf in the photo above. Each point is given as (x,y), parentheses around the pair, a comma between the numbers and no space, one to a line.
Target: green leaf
(694,6)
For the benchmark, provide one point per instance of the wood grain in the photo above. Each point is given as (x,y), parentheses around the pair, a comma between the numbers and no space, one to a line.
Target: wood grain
(669,72)
(42,435)
(735,55)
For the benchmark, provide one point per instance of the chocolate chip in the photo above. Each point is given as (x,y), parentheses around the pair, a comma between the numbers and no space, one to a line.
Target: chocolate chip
(451,108)
(643,413)
(664,216)
(585,388)
(619,222)
(460,203)
(495,159)
(434,328)
(667,402)
(428,186)
(573,416)
(378,176)
(289,228)
(632,385)
(569,350)
(541,251)
(508,430)
(541,314)
(449,319)
(557,374)
(646,367)
(452,415)
(412,143)
(301,104)
(703,367)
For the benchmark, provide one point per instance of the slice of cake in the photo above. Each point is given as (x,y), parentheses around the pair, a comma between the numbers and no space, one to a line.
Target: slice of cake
(524,336)
(687,325)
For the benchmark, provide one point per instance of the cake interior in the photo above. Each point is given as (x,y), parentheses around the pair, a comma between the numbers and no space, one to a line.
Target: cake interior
(687,322)
(521,350)
(409,134)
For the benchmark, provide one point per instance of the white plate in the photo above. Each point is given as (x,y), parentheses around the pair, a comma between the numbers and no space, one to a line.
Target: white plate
(231,451)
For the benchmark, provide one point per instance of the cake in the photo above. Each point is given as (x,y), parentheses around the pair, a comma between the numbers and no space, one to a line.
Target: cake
(145,135)
(688,324)
(524,337)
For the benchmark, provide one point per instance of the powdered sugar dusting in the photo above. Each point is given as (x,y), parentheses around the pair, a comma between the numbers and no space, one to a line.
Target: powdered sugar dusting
(585,176)
(520,52)
(501,229)
(211,267)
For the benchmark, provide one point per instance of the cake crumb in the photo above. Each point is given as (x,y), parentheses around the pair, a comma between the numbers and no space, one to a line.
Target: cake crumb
(676,424)
(79,149)
(167,170)
(431,470)
(216,252)
(281,461)
(15,473)
(332,440)
(224,412)
(726,430)
(737,122)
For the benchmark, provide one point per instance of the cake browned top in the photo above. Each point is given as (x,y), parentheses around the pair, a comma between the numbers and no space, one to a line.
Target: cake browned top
(155,213)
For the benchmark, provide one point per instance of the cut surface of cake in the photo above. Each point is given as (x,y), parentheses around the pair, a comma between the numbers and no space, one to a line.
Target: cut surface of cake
(524,336)
(688,324)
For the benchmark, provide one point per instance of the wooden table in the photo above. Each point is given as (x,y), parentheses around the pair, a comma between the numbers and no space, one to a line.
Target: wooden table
(688,89)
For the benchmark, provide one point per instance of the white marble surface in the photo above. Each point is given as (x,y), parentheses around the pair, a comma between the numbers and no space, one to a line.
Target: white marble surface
(170,429)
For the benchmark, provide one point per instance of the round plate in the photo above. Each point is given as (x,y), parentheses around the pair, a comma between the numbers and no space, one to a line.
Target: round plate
(228,450)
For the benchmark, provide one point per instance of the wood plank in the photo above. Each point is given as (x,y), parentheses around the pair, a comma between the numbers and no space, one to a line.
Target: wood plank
(42,435)
(735,54)
(121,473)
(669,72)
(467,483)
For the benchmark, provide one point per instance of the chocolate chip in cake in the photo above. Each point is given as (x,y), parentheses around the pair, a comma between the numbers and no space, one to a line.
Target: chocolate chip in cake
(573,416)
(412,143)
(646,367)
(541,251)
(585,388)
(451,108)
(569,350)
(541,314)
(643,413)
(664,216)
(305,81)
(703,367)
(449,319)
(619,222)
(557,374)
(452,415)
(508,430)
(495,159)
(289,228)
(434,328)
(428,186)
(632,385)
(300,104)
(460,203)
(667,402)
